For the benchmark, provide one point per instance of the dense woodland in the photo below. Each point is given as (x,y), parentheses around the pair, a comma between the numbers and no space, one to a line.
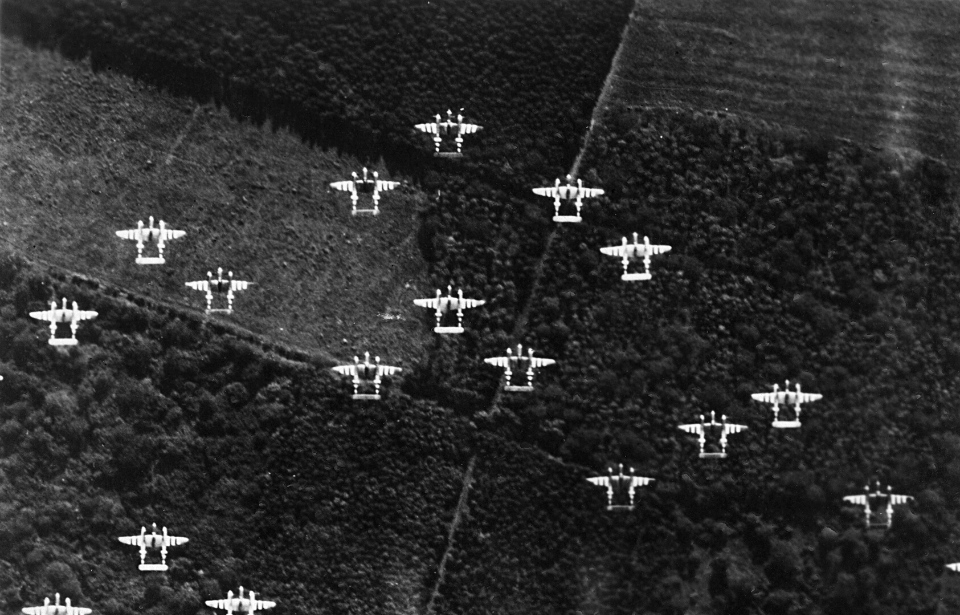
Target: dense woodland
(793,257)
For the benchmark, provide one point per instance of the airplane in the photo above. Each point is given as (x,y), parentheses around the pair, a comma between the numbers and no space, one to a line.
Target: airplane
(56,609)
(457,127)
(509,360)
(627,251)
(445,304)
(366,371)
(372,186)
(630,482)
(64,314)
(569,191)
(883,519)
(954,567)
(725,429)
(786,397)
(153,540)
(220,285)
(160,235)
(243,605)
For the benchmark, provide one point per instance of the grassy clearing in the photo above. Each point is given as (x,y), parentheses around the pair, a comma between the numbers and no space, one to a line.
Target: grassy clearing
(876,71)
(87,153)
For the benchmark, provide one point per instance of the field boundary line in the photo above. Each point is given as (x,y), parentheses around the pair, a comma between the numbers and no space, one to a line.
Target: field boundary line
(457,513)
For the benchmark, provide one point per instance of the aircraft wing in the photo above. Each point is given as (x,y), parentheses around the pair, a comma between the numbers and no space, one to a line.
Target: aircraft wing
(733,428)
(769,398)
(346,185)
(640,481)
(176,541)
(239,284)
(203,285)
(859,500)
(129,234)
(695,428)
(540,362)
(498,361)
(83,314)
(550,191)
(954,567)
(589,193)
(427,303)
(171,234)
(135,541)
(383,184)
(346,370)
(388,370)
(896,500)
(430,128)
(466,304)
(808,397)
(469,129)
(600,481)
(48,315)
(617,250)
(657,249)
(227,604)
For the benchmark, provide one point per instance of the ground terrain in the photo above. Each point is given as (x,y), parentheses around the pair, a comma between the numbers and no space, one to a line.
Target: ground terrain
(89,153)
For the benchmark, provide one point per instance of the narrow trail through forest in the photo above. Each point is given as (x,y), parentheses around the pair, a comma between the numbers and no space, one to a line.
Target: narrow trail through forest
(521,321)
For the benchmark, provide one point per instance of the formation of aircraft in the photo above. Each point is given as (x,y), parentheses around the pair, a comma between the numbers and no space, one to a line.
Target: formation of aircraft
(451,126)
(570,191)
(56,608)
(219,285)
(700,429)
(873,517)
(620,482)
(67,315)
(508,362)
(240,604)
(143,234)
(629,251)
(365,185)
(153,540)
(446,304)
(366,372)
(786,397)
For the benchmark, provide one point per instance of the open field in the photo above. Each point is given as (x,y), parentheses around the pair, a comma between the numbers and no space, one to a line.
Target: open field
(88,153)
(880,72)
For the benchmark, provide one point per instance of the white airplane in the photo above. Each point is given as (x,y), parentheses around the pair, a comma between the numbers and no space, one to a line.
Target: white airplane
(627,251)
(569,191)
(786,397)
(153,541)
(141,235)
(219,285)
(620,482)
(366,371)
(240,604)
(372,186)
(56,609)
(456,127)
(511,359)
(446,304)
(64,314)
(873,519)
(954,567)
(700,429)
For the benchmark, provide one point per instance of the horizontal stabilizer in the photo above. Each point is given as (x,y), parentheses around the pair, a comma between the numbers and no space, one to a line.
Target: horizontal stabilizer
(153,567)
(517,388)
(368,396)
(713,455)
(372,212)
(786,424)
(635,277)
(219,311)
(62,341)
(150,260)
(449,155)
(567,219)
(621,507)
